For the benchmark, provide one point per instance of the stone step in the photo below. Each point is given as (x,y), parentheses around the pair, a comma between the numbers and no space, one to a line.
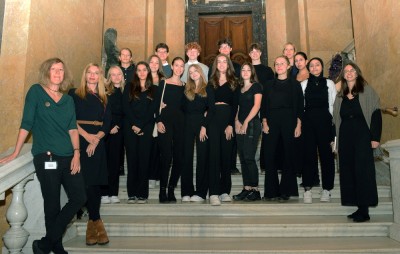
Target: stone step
(240,208)
(383,191)
(266,226)
(253,245)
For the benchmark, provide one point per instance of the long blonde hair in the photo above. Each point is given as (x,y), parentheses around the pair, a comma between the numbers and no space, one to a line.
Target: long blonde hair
(190,88)
(109,85)
(82,90)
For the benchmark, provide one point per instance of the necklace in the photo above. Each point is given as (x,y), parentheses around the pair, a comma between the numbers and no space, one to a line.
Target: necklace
(55,91)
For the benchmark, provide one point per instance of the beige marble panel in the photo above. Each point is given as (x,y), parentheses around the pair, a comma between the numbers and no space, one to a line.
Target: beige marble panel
(276,28)
(175,30)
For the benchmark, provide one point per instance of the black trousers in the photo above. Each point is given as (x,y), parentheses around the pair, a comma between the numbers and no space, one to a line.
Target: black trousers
(57,218)
(114,149)
(154,169)
(247,148)
(93,193)
(191,134)
(171,147)
(138,149)
(281,125)
(317,132)
(220,152)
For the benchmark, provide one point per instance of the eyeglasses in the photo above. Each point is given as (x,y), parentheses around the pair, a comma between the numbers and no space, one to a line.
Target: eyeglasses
(350,71)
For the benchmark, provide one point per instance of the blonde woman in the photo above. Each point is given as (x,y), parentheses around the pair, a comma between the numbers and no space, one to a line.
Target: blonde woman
(198,107)
(93,116)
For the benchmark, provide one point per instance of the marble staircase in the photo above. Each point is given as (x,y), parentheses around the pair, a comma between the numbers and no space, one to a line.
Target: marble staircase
(241,227)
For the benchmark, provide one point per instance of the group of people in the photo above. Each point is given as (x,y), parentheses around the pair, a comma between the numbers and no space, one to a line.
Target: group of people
(158,112)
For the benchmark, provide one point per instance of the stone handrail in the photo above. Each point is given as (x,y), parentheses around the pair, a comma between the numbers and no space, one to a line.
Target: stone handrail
(14,175)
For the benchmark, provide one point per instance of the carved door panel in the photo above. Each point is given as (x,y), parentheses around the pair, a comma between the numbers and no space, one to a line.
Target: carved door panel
(236,27)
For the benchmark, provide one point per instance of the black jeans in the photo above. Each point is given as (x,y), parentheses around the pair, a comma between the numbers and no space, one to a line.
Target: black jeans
(247,147)
(114,148)
(57,218)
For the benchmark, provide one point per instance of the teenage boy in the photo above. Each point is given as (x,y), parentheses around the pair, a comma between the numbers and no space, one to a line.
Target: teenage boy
(193,50)
(225,47)
(162,51)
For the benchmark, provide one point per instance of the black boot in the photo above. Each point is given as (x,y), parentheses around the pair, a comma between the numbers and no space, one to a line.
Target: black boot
(163,195)
(171,195)
(362,215)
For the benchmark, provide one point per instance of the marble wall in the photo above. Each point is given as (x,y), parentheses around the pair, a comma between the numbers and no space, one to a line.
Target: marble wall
(377,39)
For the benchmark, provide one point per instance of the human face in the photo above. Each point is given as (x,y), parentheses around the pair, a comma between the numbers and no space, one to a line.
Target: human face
(315,67)
(93,75)
(162,54)
(350,74)
(246,72)
(56,73)
(225,49)
(281,66)
(192,54)
(178,67)
(142,72)
(222,64)
(300,62)
(288,51)
(154,64)
(194,74)
(255,54)
(116,76)
(125,57)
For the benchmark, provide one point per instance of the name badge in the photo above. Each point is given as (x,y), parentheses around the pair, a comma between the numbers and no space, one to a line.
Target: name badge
(50,165)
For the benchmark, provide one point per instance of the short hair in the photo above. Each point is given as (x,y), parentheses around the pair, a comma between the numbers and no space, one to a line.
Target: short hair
(109,85)
(44,73)
(284,57)
(162,45)
(130,52)
(319,60)
(82,90)
(255,46)
(224,41)
(192,45)
(289,43)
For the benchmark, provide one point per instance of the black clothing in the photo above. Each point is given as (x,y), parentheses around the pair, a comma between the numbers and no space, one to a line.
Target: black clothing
(138,111)
(357,167)
(225,94)
(115,102)
(246,101)
(93,203)
(264,73)
(316,94)
(236,67)
(94,168)
(282,105)
(128,73)
(200,105)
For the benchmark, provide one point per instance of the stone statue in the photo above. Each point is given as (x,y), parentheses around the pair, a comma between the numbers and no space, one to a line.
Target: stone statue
(110,49)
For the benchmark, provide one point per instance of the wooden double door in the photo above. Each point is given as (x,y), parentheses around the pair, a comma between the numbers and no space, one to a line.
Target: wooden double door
(236,27)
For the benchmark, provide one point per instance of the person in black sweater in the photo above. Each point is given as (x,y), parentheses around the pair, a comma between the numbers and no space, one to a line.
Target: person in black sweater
(248,130)
(170,122)
(126,64)
(220,130)
(199,108)
(114,141)
(318,134)
(281,113)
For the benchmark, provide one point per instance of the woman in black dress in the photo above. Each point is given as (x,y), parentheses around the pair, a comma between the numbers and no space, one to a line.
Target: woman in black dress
(93,116)
(358,122)
(281,113)
(170,122)
(138,129)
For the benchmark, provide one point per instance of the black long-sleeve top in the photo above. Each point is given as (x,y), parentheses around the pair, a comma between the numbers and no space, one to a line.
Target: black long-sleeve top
(138,111)
(173,97)
(115,102)
(281,94)
(264,73)
(128,73)
(200,105)
(226,95)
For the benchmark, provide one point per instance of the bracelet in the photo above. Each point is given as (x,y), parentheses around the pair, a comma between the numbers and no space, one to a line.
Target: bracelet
(77,149)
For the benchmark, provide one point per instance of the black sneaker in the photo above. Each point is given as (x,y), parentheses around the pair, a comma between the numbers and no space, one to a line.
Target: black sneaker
(235,171)
(242,195)
(253,196)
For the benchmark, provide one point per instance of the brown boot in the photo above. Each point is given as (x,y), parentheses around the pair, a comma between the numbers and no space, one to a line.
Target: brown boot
(91,233)
(102,237)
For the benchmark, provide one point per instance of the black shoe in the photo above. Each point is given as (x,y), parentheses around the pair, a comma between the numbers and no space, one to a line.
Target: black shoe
(253,196)
(38,248)
(58,248)
(360,217)
(283,198)
(171,195)
(351,216)
(242,195)
(235,171)
(163,196)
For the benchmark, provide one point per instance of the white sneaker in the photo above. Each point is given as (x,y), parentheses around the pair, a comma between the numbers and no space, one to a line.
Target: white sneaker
(196,198)
(105,200)
(114,200)
(186,199)
(307,197)
(152,184)
(214,200)
(224,197)
(325,196)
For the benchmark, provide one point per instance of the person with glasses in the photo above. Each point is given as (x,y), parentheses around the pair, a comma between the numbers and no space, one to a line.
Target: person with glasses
(162,51)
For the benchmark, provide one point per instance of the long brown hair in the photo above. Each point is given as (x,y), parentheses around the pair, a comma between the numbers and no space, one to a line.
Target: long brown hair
(253,76)
(230,73)
(82,90)
(135,88)
(190,88)
(358,86)
(44,73)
